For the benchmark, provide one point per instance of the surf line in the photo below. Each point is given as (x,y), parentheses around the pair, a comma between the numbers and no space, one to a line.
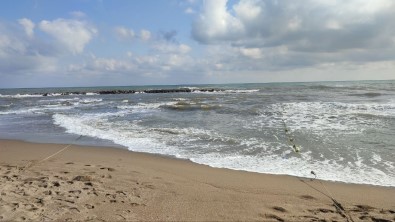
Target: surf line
(291,140)
(32,163)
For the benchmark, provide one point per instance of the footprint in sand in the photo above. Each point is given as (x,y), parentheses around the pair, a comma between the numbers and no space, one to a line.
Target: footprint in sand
(280,209)
(88,206)
(108,176)
(75,191)
(107,168)
(274,217)
(364,208)
(307,197)
(82,178)
(89,184)
(48,192)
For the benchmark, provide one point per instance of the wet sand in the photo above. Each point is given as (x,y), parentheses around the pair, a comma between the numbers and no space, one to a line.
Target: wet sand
(108,184)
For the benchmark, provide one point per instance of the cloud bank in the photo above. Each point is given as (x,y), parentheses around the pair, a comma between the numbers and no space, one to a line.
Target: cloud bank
(228,41)
(311,25)
(300,33)
(72,34)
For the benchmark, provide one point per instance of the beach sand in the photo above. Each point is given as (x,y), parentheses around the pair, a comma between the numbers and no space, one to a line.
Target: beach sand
(109,184)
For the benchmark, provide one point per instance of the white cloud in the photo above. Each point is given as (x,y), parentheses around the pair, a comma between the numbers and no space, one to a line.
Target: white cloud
(164,47)
(216,23)
(28,25)
(292,34)
(336,24)
(248,10)
(21,54)
(74,35)
(184,48)
(254,53)
(95,65)
(333,24)
(145,35)
(294,23)
(242,41)
(189,10)
(111,65)
(124,33)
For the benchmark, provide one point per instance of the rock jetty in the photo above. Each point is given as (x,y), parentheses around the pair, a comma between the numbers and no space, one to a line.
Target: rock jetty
(104,92)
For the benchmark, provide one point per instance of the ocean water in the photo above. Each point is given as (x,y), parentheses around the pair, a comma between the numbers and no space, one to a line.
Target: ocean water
(344,131)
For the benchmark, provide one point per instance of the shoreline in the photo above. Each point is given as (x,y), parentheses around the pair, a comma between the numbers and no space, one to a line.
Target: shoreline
(106,183)
(112,145)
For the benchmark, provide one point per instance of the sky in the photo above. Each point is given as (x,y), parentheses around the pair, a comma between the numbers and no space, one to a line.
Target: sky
(47,43)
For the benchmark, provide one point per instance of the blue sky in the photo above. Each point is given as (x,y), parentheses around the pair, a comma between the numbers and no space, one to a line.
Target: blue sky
(144,42)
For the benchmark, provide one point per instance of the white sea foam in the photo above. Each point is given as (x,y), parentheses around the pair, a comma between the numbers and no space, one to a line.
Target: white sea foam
(156,140)
(92,94)
(320,117)
(227,91)
(179,99)
(35,110)
(54,94)
(296,166)
(21,111)
(145,107)
(89,101)
(242,90)
(19,96)
(58,100)
(129,134)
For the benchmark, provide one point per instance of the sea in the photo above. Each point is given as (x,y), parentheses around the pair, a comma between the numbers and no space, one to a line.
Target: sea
(343,131)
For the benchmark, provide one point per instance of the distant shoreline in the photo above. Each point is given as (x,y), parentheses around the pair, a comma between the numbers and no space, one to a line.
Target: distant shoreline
(208,85)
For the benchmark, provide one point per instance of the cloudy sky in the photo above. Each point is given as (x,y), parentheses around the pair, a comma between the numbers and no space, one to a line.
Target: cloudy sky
(46,43)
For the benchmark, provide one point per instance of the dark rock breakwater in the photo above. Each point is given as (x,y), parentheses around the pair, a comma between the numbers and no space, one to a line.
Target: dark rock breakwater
(106,92)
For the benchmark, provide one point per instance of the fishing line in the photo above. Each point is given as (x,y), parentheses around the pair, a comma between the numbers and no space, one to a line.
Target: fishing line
(288,134)
(31,164)
(339,208)
(291,140)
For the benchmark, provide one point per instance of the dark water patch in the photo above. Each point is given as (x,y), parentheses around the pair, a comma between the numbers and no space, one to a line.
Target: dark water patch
(322,87)
(370,116)
(368,95)
(190,106)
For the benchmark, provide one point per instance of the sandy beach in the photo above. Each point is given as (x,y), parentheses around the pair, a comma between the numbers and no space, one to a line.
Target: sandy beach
(109,184)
